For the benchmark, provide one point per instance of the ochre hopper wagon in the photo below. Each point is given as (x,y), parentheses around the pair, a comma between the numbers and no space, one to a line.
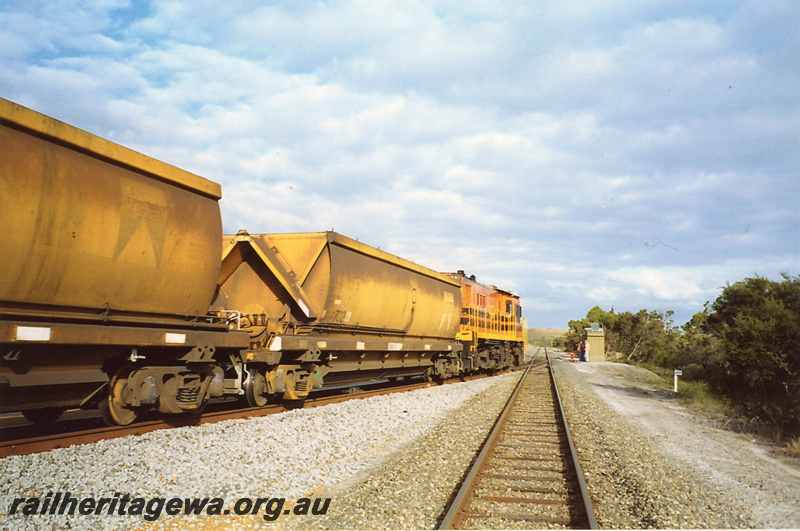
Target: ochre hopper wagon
(109,261)
(321,304)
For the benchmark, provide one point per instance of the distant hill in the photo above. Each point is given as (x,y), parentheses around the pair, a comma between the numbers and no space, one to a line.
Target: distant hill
(543,336)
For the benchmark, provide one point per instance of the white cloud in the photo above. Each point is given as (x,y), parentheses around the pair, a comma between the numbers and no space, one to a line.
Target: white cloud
(621,153)
(664,285)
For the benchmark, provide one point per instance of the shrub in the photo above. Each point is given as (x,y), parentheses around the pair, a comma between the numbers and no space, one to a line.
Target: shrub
(757,322)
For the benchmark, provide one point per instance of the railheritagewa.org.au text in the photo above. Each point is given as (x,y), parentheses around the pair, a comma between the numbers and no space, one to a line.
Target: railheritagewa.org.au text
(65,503)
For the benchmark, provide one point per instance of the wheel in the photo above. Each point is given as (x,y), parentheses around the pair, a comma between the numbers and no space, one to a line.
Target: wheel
(113,410)
(256,388)
(199,411)
(45,415)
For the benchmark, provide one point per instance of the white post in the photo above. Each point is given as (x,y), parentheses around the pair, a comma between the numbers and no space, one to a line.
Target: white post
(677,373)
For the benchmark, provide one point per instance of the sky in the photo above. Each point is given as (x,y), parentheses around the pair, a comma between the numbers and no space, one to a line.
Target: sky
(623,154)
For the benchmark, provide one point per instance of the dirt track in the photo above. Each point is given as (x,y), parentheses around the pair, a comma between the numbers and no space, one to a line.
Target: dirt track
(749,474)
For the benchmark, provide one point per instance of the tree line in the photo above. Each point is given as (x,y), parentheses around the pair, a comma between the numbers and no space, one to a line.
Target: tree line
(745,345)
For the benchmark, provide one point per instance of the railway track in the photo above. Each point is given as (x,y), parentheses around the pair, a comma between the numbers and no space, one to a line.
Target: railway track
(27,439)
(50,441)
(527,475)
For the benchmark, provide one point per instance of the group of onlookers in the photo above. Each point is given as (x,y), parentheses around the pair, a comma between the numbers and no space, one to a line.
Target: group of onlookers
(583,351)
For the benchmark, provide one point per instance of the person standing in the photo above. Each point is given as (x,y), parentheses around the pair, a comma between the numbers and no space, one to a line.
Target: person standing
(586,350)
(581,350)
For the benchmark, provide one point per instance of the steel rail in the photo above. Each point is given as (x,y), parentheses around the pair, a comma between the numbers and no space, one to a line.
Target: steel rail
(458,505)
(63,440)
(587,502)
(52,441)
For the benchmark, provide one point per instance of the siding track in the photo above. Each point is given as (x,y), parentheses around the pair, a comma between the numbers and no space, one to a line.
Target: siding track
(24,439)
(526,476)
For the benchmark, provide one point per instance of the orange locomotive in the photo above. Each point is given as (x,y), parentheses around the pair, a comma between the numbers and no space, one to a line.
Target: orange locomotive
(492,326)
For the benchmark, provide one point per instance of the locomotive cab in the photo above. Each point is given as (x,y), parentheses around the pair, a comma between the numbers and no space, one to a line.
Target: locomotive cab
(491,326)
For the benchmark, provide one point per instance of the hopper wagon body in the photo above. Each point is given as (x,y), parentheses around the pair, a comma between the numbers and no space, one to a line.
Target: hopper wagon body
(109,258)
(332,304)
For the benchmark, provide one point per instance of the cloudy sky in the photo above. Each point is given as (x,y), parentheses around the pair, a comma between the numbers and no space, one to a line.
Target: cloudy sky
(627,154)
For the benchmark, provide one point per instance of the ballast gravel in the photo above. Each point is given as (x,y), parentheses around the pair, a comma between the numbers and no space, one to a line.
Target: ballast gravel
(393,462)
(654,461)
(314,453)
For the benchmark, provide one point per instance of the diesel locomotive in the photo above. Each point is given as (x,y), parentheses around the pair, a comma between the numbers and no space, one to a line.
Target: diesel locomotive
(118,290)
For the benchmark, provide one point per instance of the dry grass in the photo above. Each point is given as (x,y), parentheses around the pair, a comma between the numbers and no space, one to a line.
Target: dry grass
(542,337)
(793,448)
(721,412)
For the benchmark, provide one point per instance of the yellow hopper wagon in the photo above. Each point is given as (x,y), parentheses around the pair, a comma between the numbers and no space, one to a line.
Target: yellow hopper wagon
(324,306)
(119,291)
(109,262)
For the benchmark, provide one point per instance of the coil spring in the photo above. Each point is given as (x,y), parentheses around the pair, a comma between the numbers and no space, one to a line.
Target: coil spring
(188,396)
(301,386)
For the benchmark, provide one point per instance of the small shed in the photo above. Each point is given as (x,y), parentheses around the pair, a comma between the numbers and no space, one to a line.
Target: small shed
(596,337)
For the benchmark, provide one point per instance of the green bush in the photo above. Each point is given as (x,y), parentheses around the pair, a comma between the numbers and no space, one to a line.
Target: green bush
(757,322)
(745,345)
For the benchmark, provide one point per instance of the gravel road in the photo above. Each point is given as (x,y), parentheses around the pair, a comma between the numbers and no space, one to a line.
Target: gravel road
(654,462)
